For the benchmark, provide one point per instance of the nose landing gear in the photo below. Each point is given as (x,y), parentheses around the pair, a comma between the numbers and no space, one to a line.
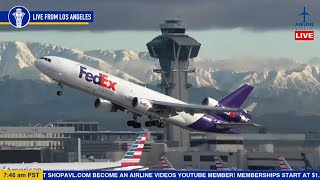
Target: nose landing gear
(59,93)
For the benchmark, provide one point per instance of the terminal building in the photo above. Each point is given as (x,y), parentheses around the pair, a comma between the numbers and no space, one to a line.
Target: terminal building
(72,141)
(247,151)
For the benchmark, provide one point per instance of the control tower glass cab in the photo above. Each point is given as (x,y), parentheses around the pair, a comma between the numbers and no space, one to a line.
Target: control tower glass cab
(174,49)
(173,27)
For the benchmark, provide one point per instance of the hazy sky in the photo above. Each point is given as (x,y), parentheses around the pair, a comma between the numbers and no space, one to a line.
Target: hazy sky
(226,29)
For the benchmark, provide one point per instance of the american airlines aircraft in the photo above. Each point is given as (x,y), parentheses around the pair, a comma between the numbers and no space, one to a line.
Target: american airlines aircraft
(166,165)
(284,164)
(220,165)
(130,161)
(114,94)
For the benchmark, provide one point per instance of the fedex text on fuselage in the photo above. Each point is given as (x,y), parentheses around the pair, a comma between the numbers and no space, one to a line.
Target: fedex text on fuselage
(100,79)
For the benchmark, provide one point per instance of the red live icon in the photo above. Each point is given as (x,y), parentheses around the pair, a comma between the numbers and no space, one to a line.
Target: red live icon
(303,35)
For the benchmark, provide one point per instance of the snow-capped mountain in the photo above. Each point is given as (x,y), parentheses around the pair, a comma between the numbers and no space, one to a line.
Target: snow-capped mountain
(269,76)
(285,90)
(16,60)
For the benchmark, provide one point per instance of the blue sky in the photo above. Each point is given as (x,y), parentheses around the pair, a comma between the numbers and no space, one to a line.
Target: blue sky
(216,44)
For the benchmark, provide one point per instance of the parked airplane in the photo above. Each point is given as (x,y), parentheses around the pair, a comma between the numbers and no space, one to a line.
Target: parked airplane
(224,116)
(130,161)
(283,164)
(166,165)
(220,165)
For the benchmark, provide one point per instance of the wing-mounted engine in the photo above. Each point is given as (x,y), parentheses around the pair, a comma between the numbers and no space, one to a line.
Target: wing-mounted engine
(104,105)
(209,102)
(141,105)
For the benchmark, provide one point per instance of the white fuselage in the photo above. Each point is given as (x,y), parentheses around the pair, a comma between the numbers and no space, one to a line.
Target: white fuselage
(116,90)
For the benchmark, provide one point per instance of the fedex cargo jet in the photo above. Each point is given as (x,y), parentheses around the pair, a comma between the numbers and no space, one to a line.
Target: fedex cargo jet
(113,94)
(130,161)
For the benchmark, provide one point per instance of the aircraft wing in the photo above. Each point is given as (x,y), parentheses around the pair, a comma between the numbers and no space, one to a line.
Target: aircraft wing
(237,125)
(301,14)
(190,108)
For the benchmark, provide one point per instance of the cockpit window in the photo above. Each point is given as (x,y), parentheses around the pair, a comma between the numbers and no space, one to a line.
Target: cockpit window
(46,59)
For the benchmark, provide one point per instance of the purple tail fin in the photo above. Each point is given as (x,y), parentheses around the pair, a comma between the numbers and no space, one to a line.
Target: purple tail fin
(236,98)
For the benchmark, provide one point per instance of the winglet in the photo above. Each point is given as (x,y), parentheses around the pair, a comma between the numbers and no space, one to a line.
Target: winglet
(251,107)
(133,155)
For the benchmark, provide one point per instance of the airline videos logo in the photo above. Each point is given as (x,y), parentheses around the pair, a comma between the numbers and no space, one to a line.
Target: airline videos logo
(19,16)
(100,79)
(304,28)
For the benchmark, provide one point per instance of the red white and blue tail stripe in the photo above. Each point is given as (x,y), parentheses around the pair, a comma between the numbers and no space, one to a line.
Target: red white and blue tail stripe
(220,165)
(133,155)
(284,164)
(166,165)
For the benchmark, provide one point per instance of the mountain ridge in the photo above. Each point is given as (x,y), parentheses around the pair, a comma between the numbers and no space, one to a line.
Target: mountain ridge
(17,62)
(287,88)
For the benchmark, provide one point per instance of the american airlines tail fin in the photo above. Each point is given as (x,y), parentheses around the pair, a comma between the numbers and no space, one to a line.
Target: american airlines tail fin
(237,97)
(166,165)
(220,165)
(283,164)
(133,155)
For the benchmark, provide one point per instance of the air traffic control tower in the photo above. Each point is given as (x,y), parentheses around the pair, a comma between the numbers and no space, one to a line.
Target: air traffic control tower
(174,49)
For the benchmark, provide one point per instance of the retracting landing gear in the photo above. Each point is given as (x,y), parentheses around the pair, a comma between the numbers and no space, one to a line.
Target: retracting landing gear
(134,122)
(59,93)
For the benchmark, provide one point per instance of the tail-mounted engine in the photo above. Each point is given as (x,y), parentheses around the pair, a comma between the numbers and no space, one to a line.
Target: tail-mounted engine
(209,102)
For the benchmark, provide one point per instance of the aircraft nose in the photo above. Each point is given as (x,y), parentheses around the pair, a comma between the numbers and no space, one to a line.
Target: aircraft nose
(37,64)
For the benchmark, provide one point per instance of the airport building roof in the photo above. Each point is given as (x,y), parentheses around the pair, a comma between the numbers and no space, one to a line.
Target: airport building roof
(23,130)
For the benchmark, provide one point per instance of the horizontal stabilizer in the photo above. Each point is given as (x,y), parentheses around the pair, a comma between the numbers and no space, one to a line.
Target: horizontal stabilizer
(237,125)
(251,107)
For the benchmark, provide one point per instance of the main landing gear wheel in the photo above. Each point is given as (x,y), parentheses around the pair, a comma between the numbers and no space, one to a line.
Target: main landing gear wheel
(137,125)
(130,123)
(148,123)
(134,122)
(157,123)
(162,125)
